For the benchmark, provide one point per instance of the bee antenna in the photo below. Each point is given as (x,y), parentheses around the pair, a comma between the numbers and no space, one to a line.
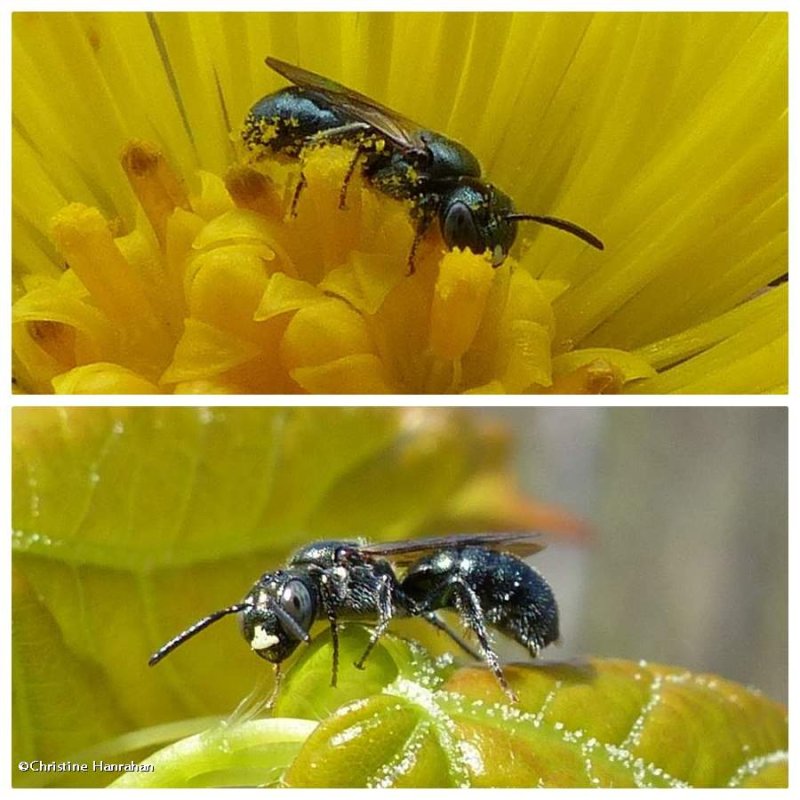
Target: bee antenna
(193,630)
(561,224)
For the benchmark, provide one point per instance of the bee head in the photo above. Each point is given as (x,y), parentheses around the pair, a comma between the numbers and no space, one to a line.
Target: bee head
(279,612)
(477,216)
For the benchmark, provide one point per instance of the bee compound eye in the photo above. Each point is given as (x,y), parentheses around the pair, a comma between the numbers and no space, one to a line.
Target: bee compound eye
(297,602)
(459,229)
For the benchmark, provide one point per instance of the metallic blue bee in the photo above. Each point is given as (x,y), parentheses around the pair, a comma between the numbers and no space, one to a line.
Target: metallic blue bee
(481,577)
(440,177)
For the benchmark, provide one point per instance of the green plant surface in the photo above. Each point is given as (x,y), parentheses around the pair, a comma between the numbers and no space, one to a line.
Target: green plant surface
(412,721)
(131,523)
(255,753)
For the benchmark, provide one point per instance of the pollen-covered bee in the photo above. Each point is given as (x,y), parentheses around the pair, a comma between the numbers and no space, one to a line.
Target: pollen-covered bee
(401,158)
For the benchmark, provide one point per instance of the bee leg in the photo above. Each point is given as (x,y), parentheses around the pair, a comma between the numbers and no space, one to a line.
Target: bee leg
(469,607)
(335,640)
(411,268)
(415,609)
(445,628)
(348,175)
(354,131)
(330,611)
(421,226)
(301,184)
(384,606)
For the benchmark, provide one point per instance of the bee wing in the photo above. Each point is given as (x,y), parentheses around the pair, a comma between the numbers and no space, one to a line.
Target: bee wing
(520,543)
(402,131)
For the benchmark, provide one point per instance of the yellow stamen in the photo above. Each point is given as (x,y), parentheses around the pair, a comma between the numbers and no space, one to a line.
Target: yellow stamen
(251,189)
(458,303)
(85,241)
(158,189)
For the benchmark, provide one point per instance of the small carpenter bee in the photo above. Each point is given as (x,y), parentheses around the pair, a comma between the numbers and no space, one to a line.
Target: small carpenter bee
(400,158)
(475,575)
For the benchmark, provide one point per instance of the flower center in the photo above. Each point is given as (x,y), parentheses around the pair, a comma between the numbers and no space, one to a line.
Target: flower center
(287,275)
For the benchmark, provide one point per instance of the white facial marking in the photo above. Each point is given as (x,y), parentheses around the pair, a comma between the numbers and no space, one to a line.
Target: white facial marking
(262,640)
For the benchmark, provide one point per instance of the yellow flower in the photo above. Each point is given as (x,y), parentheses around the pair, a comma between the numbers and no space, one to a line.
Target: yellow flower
(186,271)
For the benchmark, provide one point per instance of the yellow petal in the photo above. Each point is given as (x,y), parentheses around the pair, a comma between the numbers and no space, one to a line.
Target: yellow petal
(524,352)
(102,378)
(365,281)
(214,199)
(285,294)
(205,351)
(325,336)
(354,374)
(94,336)
(597,371)
(208,387)
(224,287)
(493,387)
(772,304)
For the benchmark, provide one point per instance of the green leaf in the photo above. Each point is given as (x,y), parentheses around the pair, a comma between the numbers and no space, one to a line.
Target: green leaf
(603,723)
(308,692)
(238,749)
(131,523)
(252,754)
(408,720)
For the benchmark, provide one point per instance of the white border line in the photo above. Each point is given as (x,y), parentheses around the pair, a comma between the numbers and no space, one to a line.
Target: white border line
(7,402)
